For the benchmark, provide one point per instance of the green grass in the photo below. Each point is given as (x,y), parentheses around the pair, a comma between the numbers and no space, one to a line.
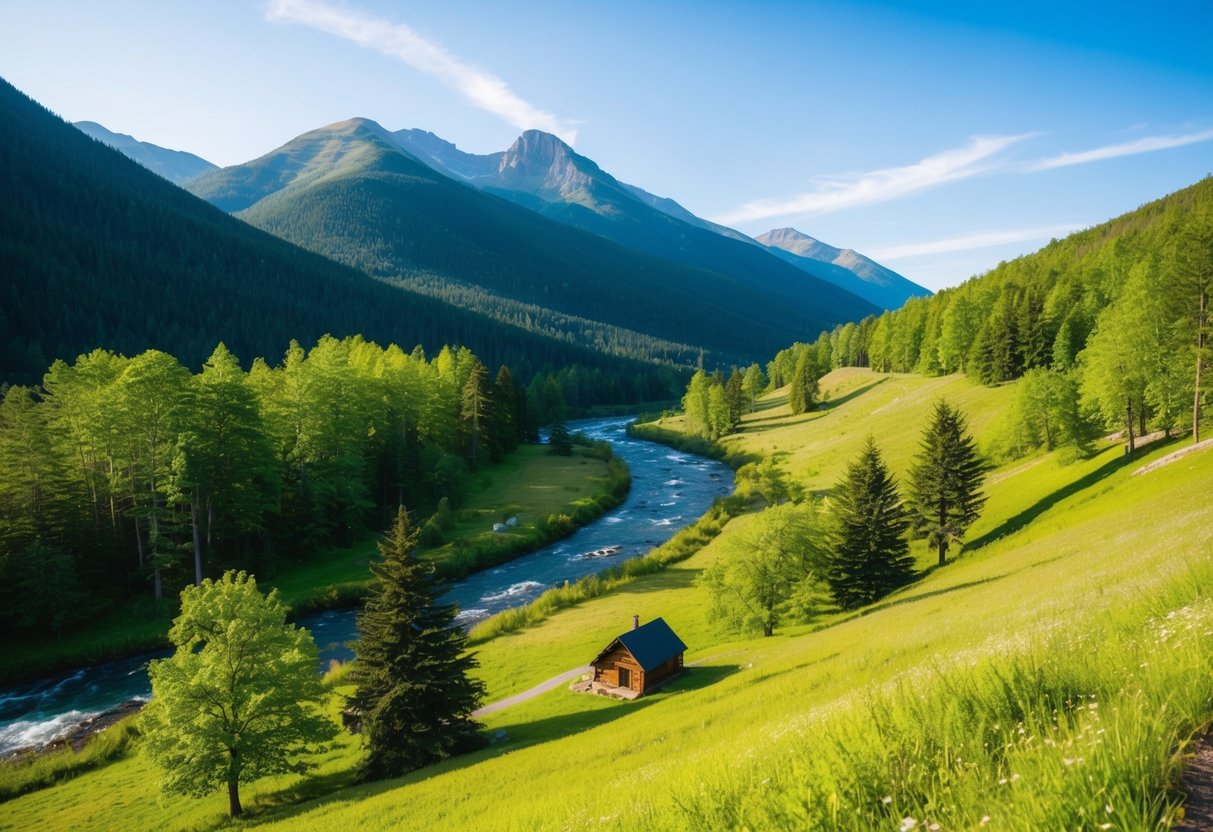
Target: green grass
(531,483)
(919,698)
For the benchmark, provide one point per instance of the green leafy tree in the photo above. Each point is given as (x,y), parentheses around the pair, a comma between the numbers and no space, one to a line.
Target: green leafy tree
(152,395)
(239,698)
(224,468)
(870,554)
(773,571)
(1192,285)
(754,383)
(475,410)
(1045,412)
(695,403)
(802,392)
(945,482)
(414,692)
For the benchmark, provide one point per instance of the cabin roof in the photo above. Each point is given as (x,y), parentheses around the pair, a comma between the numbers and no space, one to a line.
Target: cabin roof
(650,645)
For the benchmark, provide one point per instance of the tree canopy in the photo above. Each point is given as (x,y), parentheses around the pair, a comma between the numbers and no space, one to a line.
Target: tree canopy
(240,697)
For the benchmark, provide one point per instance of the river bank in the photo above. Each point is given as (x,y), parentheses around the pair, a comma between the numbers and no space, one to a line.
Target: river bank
(552,495)
(669,491)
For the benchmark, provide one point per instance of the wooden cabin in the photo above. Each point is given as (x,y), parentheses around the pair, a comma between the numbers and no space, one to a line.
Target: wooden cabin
(638,661)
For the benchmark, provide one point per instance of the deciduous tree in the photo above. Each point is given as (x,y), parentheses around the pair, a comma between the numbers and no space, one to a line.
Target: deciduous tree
(239,699)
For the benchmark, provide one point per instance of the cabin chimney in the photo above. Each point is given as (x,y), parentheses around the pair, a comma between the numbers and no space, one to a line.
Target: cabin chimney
(635,622)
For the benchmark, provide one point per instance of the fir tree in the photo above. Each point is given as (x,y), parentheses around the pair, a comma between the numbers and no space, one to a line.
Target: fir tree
(870,554)
(414,693)
(946,481)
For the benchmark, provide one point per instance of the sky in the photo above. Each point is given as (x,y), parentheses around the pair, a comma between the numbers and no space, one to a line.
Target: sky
(938,137)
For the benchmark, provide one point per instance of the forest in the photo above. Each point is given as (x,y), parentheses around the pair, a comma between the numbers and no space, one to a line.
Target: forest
(133,477)
(1108,328)
(99,252)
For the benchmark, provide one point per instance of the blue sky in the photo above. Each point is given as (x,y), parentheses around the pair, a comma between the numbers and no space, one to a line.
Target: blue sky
(937,137)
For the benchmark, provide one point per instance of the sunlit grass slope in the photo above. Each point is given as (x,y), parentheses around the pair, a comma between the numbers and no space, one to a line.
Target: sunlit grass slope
(920,699)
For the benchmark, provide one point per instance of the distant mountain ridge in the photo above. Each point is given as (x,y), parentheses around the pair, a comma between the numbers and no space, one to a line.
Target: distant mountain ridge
(543,173)
(846,267)
(99,252)
(174,165)
(352,191)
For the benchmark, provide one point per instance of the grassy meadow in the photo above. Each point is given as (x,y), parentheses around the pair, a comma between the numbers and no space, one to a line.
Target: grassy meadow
(1045,679)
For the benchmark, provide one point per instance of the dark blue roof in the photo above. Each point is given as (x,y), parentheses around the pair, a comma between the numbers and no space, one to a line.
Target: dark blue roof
(650,645)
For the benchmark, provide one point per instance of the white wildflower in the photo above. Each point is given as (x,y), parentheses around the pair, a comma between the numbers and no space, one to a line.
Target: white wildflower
(908,823)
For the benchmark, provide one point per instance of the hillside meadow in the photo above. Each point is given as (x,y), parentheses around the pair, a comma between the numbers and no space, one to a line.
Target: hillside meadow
(1044,679)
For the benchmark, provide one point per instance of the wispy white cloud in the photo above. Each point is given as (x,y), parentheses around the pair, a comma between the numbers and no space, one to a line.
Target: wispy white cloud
(1149,144)
(482,89)
(836,193)
(982,239)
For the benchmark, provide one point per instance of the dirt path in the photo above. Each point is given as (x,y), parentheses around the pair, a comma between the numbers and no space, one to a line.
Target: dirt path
(542,687)
(1174,455)
(1197,784)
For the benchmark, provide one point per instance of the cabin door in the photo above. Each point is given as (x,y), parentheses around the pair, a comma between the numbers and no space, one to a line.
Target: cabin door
(625,677)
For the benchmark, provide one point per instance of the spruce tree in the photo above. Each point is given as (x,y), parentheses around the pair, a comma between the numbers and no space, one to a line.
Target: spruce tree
(870,553)
(946,481)
(414,693)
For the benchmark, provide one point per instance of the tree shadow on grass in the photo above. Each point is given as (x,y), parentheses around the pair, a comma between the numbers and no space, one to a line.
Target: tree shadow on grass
(1025,517)
(339,787)
(853,394)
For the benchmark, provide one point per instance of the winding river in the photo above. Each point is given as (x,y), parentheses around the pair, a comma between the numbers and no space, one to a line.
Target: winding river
(670,489)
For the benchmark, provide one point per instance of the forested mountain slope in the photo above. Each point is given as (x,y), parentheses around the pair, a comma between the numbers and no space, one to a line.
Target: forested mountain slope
(99,252)
(1119,313)
(350,191)
(543,173)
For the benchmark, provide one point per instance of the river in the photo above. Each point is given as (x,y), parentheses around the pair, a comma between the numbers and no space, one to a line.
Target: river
(670,489)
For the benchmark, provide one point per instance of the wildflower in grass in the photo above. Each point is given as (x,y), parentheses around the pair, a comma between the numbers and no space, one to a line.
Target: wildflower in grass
(908,823)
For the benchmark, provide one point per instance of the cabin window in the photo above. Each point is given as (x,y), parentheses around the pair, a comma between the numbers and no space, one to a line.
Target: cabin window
(625,677)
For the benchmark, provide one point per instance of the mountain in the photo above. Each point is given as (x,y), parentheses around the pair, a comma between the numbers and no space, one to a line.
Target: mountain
(174,165)
(843,267)
(99,252)
(541,172)
(353,192)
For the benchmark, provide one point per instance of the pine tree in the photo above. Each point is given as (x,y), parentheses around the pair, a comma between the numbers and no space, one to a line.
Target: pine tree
(946,481)
(870,554)
(475,410)
(414,692)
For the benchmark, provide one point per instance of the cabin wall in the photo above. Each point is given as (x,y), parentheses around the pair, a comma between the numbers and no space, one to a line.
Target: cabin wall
(606,669)
(663,671)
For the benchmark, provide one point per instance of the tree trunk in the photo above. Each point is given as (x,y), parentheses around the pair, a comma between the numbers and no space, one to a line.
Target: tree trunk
(1129,426)
(233,798)
(943,552)
(768,629)
(197,542)
(1200,354)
